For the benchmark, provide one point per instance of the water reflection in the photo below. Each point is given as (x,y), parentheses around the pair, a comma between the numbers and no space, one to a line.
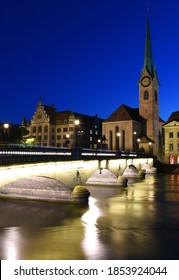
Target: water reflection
(140,221)
(40,230)
(91,244)
(11,241)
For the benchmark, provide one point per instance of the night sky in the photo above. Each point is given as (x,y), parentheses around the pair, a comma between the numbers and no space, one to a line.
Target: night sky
(84,55)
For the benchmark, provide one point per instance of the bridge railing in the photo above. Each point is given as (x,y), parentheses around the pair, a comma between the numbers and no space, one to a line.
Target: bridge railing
(12,155)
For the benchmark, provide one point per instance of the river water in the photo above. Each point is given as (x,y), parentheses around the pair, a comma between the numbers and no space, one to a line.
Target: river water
(140,221)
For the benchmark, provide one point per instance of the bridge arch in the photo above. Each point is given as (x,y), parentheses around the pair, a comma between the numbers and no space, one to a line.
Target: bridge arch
(67,171)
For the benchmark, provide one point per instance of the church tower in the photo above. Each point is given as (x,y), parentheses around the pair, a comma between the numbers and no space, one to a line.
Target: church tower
(148,94)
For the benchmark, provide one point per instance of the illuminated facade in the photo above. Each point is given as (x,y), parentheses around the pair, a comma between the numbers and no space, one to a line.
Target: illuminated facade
(63,129)
(139,129)
(171,136)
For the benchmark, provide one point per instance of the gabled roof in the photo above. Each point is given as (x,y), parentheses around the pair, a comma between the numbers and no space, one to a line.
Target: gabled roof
(173,117)
(145,139)
(51,112)
(124,113)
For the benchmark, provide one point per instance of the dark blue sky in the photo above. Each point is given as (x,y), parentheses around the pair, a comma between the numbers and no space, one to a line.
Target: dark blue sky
(84,55)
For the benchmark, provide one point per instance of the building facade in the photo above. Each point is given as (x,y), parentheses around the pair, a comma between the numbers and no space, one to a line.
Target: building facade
(139,129)
(171,136)
(63,129)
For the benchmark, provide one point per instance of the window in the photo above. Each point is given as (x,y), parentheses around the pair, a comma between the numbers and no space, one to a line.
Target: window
(46,129)
(34,129)
(39,128)
(177,134)
(170,134)
(156,96)
(58,130)
(146,95)
(58,137)
(70,128)
(65,129)
(171,147)
(177,147)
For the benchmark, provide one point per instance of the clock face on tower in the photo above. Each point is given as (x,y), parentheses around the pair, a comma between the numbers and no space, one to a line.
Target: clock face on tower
(145,81)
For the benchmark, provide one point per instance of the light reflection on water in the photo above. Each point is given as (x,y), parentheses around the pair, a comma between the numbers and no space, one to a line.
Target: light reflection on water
(140,221)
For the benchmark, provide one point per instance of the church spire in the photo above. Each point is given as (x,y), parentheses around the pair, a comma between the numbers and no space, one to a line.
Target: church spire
(148,58)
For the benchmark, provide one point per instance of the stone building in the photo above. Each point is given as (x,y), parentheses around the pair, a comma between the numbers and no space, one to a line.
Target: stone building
(139,129)
(171,136)
(63,129)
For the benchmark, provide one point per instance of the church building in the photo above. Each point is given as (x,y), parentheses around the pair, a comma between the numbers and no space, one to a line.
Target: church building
(139,129)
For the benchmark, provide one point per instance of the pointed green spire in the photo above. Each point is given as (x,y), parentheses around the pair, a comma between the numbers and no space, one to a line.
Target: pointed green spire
(148,58)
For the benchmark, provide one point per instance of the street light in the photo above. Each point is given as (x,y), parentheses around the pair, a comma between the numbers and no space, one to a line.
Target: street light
(67,139)
(150,147)
(138,141)
(99,143)
(76,122)
(135,141)
(118,134)
(6,130)
(6,126)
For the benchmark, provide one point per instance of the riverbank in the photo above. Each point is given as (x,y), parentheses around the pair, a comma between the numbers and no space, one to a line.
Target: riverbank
(167,168)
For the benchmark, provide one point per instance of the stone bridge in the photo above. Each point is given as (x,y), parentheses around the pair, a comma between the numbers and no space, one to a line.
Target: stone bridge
(68,172)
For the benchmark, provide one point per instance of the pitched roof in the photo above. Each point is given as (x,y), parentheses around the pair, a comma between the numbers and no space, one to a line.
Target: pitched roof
(124,113)
(173,117)
(145,139)
(51,112)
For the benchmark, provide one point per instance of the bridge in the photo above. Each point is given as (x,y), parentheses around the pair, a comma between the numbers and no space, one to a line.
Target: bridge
(64,165)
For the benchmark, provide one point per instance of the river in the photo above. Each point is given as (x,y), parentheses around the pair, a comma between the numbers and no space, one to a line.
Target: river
(140,221)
